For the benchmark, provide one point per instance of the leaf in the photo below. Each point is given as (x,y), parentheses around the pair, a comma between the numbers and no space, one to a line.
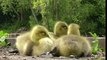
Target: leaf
(3,37)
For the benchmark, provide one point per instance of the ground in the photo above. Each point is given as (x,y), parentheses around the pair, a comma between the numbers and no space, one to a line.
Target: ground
(10,53)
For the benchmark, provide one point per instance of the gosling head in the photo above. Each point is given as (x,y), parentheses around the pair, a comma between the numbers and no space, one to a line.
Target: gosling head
(38,32)
(60,28)
(73,28)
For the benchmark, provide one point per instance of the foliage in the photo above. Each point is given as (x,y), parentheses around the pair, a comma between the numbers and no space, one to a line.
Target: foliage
(3,41)
(13,5)
(32,21)
(13,26)
(2,33)
(90,15)
(51,24)
(95,43)
(86,13)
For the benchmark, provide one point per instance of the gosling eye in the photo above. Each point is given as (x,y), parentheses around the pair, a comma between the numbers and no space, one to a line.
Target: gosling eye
(64,27)
(43,33)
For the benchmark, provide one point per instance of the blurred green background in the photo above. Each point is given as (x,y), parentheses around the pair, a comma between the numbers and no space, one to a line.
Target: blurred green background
(89,14)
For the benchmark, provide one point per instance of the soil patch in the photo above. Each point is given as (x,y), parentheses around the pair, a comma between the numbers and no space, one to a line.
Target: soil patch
(10,53)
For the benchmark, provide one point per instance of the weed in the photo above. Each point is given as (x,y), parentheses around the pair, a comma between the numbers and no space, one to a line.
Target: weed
(95,43)
(3,41)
